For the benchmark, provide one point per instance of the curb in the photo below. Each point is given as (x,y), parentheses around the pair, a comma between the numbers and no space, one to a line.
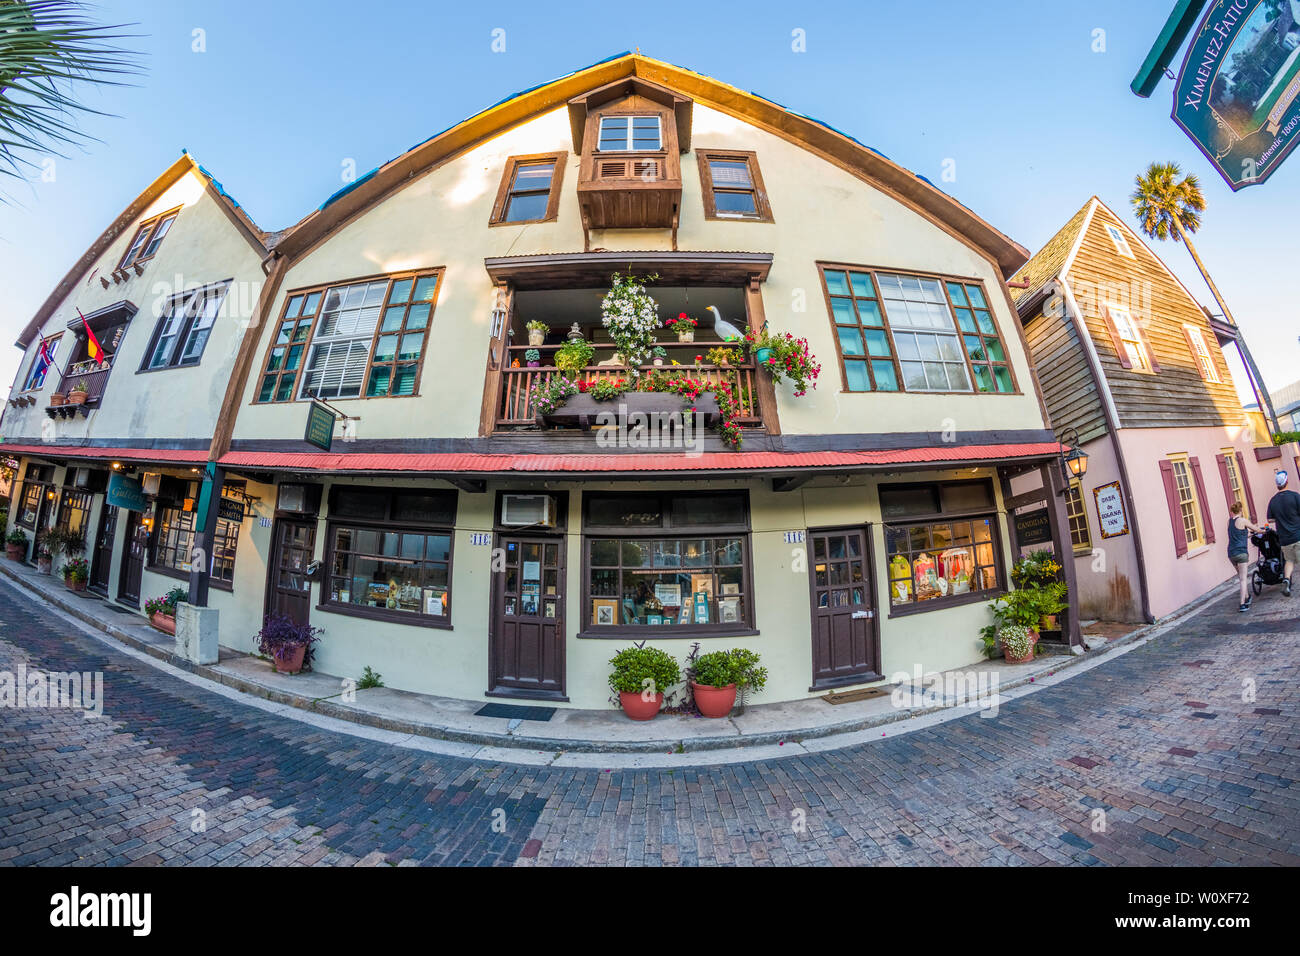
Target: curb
(328,708)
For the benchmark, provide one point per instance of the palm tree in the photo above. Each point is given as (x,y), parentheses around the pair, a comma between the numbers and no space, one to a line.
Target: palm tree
(46,48)
(1169,205)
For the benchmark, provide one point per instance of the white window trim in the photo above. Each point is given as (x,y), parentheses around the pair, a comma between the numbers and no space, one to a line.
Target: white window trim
(1201,353)
(628,146)
(1120,241)
(1131,337)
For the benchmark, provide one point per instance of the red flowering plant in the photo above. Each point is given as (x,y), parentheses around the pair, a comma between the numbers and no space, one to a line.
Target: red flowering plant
(683,321)
(607,389)
(790,359)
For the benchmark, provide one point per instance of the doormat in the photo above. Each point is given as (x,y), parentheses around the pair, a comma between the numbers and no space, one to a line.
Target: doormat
(849,696)
(513,712)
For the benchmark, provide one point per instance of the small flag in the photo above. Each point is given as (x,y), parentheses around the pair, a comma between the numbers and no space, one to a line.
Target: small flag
(43,361)
(93,349)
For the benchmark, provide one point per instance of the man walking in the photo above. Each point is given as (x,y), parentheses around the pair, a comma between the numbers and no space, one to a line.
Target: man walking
(1284,512)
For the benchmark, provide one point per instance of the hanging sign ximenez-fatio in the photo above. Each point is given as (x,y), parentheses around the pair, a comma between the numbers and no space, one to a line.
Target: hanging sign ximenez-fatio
(1238,93)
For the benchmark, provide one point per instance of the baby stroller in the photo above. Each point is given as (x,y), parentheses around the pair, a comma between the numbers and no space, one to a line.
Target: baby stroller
(1269,567)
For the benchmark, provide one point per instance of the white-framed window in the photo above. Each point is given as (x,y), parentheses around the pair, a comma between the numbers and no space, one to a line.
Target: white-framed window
(36,374)
(340,349)
(929,349)
(1201,352)
(1130,337)
(630,133)
(184,326)
(1121,241)
(1234,479)
(1188,506)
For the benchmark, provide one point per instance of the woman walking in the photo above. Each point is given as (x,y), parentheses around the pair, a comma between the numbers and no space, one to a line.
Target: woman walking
(1239,550)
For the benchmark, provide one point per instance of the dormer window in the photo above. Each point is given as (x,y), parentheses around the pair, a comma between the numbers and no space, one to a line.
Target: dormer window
(641,134)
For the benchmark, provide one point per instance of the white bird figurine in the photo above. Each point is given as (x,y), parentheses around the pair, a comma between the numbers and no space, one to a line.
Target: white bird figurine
(722,328)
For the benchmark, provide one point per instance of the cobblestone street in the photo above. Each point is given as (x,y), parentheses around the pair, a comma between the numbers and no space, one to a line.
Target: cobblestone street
(1160,740)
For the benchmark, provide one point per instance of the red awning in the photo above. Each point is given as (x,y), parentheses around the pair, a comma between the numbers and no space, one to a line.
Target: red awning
(159,456)
(483,464)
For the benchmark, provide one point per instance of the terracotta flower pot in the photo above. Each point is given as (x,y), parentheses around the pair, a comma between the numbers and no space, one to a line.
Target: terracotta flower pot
(74,585)
(1006,652)
(164,622)
(58,398)
(78,398)
(714,701)
(289,660)
(44,565)
(15,552)
(638,709)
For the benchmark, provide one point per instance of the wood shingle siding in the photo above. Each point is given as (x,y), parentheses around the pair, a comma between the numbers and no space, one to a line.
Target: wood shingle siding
(1173,393)
(1066,380)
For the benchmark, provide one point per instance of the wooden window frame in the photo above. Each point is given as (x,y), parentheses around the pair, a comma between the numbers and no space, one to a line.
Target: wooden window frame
(229,535)
(666,530)
(1201,354)
(147,229)
(312,321)
(192,302)
(943,280)
(504,192)
(389,524)
(53,342)
(1075,493)
(1152,364)
(707,188)
(908,521)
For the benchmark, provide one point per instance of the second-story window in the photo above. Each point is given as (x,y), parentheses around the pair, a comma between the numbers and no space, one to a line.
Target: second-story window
(184,327)
(40,367)
(915,333)
(148,238)
(732,186)
(530,189)
(353,340)
(1130,344)
(630,134)
(1201,352)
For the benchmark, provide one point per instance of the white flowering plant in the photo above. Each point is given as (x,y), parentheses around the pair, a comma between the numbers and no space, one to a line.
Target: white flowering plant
(631,315)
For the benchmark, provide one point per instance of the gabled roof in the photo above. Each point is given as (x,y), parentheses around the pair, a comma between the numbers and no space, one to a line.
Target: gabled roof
(1050,261)
(818,137)
(172,174)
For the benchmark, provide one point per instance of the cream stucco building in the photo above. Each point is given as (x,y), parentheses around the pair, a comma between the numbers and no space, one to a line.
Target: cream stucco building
(463,541)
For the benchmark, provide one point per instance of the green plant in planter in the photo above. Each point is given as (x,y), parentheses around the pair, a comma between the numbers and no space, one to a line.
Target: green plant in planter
(607,389)
(1036,569)
(16,536)
(572,357)
(635,666)
(165,604)
(82,386)
(738,666)
(1019,607)
(536,325)
(77,570)
(1017,640)
(532,355)
(64,541)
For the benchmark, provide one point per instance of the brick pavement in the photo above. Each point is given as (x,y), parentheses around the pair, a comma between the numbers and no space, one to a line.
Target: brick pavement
(1159,744)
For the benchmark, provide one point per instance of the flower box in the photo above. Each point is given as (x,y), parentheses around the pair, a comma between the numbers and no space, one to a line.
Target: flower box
(584,411)
(164,623)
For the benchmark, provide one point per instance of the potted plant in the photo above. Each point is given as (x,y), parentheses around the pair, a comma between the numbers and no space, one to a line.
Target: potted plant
(80,392)
(659,354)
(533,358)
(716,677)
(162,610)
(1018,610)
(58,398)
(684,326)
(639,677)
(631,315)
(1051,602)
(537,332)
(1017,643)
(721,356)
(289,644)
(16,544)
(44,555)
(573,356)
(75,574)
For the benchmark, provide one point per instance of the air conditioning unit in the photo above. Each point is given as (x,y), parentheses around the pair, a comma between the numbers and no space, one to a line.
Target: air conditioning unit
(518,510)
(150,483)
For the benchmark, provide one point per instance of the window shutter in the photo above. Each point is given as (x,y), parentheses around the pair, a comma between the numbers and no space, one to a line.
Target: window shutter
(1146,344)
(1205,502)
(1121,353)
(1245,485)
(1227,481)
(1175,516)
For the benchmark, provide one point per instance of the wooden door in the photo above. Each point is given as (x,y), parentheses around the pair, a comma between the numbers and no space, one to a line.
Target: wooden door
(526,654)
(845,635)
(42,518)
(288,587)
(135,542)
(101,561)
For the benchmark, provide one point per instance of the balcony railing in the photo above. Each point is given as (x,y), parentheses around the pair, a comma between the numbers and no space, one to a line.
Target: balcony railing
(96,379)
(517,387)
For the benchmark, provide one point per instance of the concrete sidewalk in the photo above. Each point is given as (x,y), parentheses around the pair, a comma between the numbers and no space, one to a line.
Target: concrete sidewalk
(568,730)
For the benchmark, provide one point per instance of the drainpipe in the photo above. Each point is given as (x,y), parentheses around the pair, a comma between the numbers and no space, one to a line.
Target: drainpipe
(1112,426)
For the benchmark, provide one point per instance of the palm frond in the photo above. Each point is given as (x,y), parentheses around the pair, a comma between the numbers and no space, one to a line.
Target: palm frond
(1164,199)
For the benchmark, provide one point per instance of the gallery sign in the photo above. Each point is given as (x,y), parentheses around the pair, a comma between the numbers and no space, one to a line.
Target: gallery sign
(1110,510)
(124,492)
(1238,92)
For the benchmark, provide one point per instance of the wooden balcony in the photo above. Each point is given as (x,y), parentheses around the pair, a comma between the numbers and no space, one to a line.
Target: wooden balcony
(630,190)
(96,379)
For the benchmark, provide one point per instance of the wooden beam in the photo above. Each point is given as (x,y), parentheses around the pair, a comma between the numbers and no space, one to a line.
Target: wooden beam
(473,485)
(791,483)
(763,381)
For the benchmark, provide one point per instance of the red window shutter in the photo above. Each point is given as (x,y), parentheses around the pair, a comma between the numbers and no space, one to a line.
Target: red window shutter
(1205,502)
(1121,353)
(1175,516)
(1196,356)
(1245,485)
(1227,481)
(1146,344)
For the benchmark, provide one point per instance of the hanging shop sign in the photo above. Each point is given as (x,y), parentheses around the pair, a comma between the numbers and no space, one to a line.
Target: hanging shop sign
(1033,527)
(320,426)
(126,492)
(1111,515)
(1238,93)
(230,509)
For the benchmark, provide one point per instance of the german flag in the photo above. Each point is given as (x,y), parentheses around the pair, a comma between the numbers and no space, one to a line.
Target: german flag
(93,349)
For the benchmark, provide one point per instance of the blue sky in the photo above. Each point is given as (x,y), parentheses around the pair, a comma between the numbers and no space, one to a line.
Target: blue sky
(1011,91)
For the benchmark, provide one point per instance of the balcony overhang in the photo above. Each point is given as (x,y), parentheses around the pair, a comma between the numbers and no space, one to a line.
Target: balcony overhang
(681,106)
(593,269)
(119,313)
